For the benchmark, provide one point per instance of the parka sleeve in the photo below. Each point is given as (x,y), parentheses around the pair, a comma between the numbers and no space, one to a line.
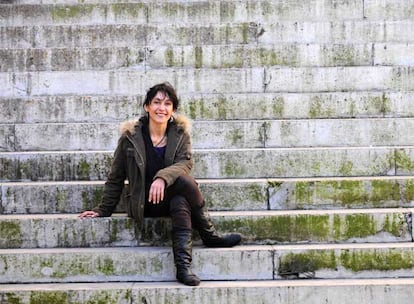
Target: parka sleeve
(115,182)
(182,163)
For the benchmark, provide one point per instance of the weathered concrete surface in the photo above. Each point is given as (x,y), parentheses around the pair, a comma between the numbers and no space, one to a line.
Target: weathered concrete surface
(224,194)
(270,227)
(133,264)
(154,35)
(155,264)
(205,56)
(74,197)
(200,12)
(215,106)
(220,134)
(223,163)
(253,80)
(341,193)
(318,226)
(369,291)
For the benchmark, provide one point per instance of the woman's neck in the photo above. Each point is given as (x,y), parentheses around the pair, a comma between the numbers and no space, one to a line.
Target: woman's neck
(157,130)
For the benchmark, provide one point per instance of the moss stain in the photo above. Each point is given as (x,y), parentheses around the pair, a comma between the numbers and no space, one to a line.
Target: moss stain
(11,234)
(49,297)
(64,13)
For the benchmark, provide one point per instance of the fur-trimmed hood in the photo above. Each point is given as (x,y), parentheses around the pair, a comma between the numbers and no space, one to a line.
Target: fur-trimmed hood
(128,127)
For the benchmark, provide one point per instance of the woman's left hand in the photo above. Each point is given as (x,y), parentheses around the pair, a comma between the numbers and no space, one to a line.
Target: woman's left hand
(156,192)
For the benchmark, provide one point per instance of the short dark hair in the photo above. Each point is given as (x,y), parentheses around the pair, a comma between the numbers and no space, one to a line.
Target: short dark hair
(165,88)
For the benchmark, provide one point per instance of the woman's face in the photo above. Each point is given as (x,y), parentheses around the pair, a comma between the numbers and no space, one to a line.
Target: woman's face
(160,109)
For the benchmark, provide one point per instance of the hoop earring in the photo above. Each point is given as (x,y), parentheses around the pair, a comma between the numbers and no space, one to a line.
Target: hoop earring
(171,118)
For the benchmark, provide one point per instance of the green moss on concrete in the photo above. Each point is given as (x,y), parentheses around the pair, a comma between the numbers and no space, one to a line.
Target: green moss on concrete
(404,161)
(198,54)
(11,234)
(49,297)
(394,224)
(348,192)
(221,106)
(303,191)
(278,106)
(106,297)
(169,57)
(131,9)
(256,193)
(310,261)
(66,13)
(346,168)
(409,191)
(381,260)
(106,266)
(235,136)
(358,226)
(318,109)
(381,104)
(83,170)
(342,55)
(281,228)
(61,198)
(114,230)
(12,298)
(233,169)
(383,190)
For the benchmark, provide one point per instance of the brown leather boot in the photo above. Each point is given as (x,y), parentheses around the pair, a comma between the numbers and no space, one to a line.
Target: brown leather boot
(211,238)
(182,249)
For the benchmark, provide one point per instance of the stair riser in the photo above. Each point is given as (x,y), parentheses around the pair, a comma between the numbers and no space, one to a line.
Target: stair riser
(135,265)
(220,135)
(156,264)
(73,198)
(257,229)
(298,293)
(262,163)
(220,195)
(21,60)
(196,12)
(255,80)
(153,35)
(245,56)
(264,106)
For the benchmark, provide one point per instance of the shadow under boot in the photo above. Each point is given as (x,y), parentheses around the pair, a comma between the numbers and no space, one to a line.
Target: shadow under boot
(182,249)
(210,237)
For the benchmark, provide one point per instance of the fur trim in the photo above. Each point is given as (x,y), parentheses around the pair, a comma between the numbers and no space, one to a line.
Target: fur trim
(128,127)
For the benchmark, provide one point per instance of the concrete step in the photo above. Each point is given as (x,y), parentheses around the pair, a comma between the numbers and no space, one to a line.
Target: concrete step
(205,56)
(200,12)
(220,163)
(249,80)
(204,12)
(392,290)
(155,264)
(224,194)
(220,134)
(246,32)
(257,227)
(215,106)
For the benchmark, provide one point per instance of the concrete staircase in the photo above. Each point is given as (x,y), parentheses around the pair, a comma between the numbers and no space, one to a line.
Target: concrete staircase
(303,123)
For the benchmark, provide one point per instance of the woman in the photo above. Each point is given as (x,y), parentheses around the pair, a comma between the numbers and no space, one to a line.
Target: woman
(154,154)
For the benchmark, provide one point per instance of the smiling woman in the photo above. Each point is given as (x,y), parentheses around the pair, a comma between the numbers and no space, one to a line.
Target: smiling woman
(154,155)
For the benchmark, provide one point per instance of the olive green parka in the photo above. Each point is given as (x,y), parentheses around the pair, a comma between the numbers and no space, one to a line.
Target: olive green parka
(129,164)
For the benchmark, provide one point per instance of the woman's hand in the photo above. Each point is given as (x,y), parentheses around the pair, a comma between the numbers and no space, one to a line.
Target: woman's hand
(89,214)
(156,192)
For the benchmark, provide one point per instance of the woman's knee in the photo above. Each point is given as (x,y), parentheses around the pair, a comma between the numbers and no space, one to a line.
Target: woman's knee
(179,203)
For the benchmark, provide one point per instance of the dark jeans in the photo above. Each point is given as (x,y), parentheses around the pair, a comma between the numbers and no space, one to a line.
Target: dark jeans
(180,198)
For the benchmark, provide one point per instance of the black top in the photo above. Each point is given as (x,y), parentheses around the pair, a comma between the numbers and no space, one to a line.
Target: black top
(155,159)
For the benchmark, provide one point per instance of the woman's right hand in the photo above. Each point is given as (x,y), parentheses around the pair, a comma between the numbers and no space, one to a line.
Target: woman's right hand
(89,214)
